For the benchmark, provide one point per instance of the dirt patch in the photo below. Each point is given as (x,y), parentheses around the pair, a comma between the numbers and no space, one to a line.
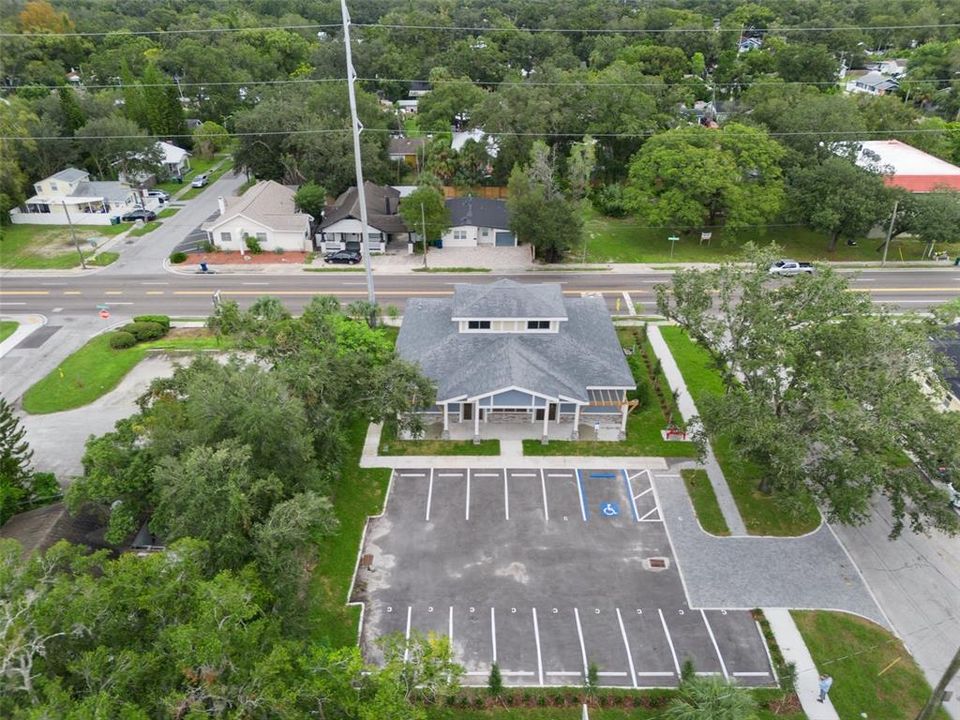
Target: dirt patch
(55,241)
(235,258)
(191,332)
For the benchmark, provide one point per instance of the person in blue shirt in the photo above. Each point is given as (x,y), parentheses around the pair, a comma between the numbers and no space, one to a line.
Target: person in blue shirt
(826,682)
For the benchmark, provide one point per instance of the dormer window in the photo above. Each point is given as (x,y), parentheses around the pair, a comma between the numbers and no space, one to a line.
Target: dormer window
(478,325)
(538,324)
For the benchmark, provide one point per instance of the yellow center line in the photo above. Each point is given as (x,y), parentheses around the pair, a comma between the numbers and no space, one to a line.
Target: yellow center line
(154,292)
(72,292)
(24,292)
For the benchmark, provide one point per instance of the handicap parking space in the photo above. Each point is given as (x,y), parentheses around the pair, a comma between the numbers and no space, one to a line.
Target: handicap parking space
(546,571)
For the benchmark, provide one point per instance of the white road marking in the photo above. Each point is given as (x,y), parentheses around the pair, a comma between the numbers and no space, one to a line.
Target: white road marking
(493,631)
(12,303)
(543,488)
(752,674)
(713,639)
(631,310)
(410,474)
(673,650)
(633,499)
(646,515)
(583,648)
(450,626)
(448,474)
(406,648)
(467,516)
(479,474)
(523,474)
(566,673)
(640,495)
(583,505)
(154,283)
(663,475)
(536,635)
(254,283)
(429,496)
(58,310)
(655,673)
(611,673)
(626,645)
(706,674)
(506,498)
(554,473)
(516,673)
(113,302)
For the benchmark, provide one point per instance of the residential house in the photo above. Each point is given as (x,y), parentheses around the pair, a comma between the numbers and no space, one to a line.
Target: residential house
(518,360)
(39,529)
(418,88)
(907,167)
(341,225)
(893,68)
(70,196)
(408,150)
(477,135)
(478,222)
(267,213)
(408,107)
(174,162)
(746,44)
(872,83)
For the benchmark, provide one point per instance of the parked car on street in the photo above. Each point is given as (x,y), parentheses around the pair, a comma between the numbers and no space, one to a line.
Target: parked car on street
(139,214)
(343,257)
(784,268)
(200,180)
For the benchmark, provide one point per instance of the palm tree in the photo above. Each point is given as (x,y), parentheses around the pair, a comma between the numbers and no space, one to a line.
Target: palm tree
(711,698)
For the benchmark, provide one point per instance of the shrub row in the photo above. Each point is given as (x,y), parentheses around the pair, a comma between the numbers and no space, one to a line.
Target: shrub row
(142,329)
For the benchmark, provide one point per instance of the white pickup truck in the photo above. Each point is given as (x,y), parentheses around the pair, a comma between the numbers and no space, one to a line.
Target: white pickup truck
(784,268)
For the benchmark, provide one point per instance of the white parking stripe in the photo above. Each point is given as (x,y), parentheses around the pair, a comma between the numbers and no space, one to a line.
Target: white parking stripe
(450,626)
(543,488)
(633,498)
(486,474)
(467,516)
(536,635)
(631,310)
(752,674)
(647,515)
(410,474)
(654,673)
(566,673)
(664,475)
(493,631)
(429,496)
(673,651)
(523,474)
(583,649)
(448,474)
(506,498)
(640,495)
(611,673)
(626,645)
(406,648)
(713,639)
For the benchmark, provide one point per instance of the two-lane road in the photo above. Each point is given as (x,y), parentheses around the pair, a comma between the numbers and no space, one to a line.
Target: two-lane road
(191,295)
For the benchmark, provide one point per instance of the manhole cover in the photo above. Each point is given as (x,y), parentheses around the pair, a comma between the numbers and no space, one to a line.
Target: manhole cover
(656,563)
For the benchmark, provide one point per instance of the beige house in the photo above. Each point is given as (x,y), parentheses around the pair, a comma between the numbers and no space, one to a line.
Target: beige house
(267,213)
(70,196)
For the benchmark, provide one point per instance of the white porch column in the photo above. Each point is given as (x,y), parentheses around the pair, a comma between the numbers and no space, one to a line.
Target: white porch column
(546,421)
(576,422)
(623,421)
(446,422)
(476,423)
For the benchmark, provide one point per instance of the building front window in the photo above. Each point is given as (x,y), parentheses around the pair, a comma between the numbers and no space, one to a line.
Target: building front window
(261,237)
(459,234)
(478,325)
(538,324)
(224,237)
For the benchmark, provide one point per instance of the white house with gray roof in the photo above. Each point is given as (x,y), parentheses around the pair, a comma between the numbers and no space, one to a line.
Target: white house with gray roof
(518,353)
(69,195)
(266,213)
(477,222)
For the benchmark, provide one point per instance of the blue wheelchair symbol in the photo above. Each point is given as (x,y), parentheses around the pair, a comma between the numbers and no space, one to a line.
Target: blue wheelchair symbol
(609,509)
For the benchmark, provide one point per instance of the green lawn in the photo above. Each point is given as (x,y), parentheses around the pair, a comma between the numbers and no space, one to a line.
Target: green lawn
(246,186)
(704,501)
(873,674)
(33,247)
(103,259)
(147,227)
(643,426)
(214,176)
(7,328)
(626,240)
(390,445)
(168,212)
(197,166)
(356,493)
(763,514)
(96,369)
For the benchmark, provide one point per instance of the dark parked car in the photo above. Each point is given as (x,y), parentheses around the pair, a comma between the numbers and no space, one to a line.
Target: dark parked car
(343,257)
(139,214)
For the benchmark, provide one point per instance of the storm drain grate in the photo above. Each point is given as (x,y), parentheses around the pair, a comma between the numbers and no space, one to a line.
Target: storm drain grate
(656,563)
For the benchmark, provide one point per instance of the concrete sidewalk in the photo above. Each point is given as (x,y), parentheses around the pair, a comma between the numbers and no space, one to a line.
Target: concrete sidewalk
(511,454)
(27,325)
(688,410)
(795,651)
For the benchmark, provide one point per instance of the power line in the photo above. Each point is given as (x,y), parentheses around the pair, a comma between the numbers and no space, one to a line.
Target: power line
(504,133)
(483,29)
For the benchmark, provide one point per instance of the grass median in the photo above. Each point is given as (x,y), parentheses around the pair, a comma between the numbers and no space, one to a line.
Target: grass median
(873,674)
(763,514)
(704,501)
(7,328)
(96,369)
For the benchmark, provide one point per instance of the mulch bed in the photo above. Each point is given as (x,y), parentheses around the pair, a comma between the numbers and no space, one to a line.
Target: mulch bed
(235,258)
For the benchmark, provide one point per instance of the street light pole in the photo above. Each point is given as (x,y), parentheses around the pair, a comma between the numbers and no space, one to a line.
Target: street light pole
(886,244)
(936,697)
(356,127)
(76,243)
(423,222)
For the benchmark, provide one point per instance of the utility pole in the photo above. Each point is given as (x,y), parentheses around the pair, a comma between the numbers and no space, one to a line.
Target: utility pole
(356,127)
(936,697)
(886,244)
(76,243)
(423,223)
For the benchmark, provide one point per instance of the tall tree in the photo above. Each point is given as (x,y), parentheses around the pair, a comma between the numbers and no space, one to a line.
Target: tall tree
(425,207)
(73,115)
(822,390)
(15,122)
(580,167)
(695,176)
(311,198)
(813,64)
(541,216)
(15,456)
(209,138)
(933,217)
(838,198)
(449,99)
(118,145)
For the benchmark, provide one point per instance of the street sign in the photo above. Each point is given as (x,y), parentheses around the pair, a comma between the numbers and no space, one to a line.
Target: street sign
(105,314)
(609,509)
(103,307)
(674,239)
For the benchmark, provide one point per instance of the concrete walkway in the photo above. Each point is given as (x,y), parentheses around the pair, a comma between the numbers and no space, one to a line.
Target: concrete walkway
(688,410)
(511,454)
(795,651)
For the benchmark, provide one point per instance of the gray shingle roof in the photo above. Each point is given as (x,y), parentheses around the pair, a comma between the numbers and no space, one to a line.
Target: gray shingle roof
(584,353)
(480,212)
(70,175)
(37,530)
(382,208)
(109,189)
(508,299)
(268,203)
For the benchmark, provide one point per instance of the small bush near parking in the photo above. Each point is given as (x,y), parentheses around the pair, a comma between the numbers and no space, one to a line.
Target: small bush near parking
(144,331)
(178,257)
(122,340)
(162,320)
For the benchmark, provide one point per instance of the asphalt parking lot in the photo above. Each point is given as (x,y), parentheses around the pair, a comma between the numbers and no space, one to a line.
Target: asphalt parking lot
(544,572)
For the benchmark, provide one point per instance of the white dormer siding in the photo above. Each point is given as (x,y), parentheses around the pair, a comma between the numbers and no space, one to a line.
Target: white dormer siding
(533,325)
